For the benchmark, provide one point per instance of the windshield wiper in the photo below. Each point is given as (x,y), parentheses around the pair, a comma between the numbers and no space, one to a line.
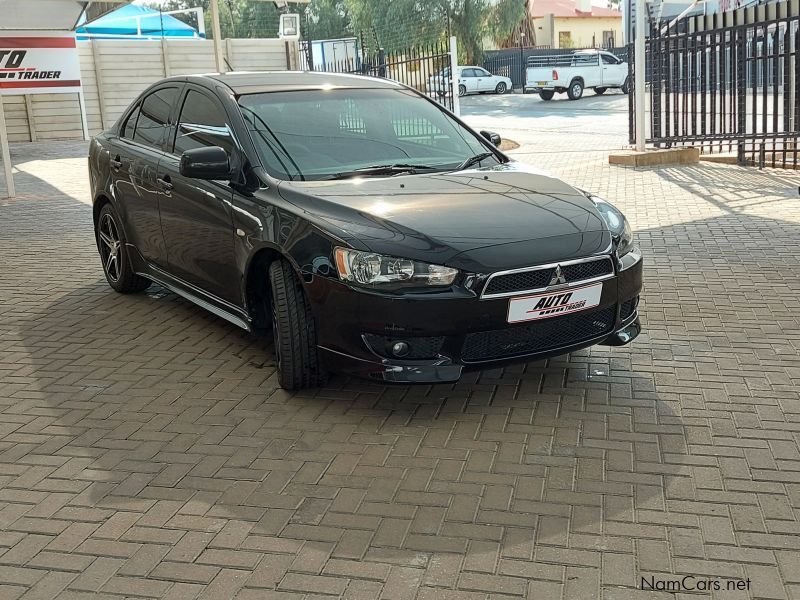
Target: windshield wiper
(393,169)
(474,160)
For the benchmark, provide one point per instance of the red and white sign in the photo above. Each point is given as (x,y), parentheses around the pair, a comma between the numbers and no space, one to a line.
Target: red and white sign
(39,63)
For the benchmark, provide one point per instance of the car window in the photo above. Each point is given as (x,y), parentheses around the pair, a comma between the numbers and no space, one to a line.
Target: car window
(154,116)
(482,73)
(585,59)
(468,73)
(130,123)
(201,124)
(609,59)
(317,134)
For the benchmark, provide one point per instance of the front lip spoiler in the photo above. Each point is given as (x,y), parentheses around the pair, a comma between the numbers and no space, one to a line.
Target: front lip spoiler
(624,335)
(442,370)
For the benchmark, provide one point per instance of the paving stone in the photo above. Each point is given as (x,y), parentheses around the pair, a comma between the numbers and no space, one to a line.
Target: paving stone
(145,450)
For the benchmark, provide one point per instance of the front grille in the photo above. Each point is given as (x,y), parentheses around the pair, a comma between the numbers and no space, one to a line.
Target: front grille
(418,347)
(626,308)
(539,336)
(540,278)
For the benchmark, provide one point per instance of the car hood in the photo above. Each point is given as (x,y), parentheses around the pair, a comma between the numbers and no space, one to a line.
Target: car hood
(480,220)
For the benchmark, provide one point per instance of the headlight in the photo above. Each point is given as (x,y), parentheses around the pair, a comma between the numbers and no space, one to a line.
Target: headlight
(617,224)
(370,269)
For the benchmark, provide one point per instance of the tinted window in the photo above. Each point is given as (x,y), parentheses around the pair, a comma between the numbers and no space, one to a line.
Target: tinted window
(468,73)
(482,73)
(201,124)
(609,60)
(317,134)
(154,117)
(130,124)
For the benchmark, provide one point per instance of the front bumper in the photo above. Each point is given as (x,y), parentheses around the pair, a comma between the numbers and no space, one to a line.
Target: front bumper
(348,321)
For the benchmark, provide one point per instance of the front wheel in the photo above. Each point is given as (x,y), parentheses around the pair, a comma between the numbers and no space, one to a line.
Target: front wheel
(114,254)
(293,331)
(501,88)
(462,90)
(600,90)
(575,90)
(626,87)
(546,95)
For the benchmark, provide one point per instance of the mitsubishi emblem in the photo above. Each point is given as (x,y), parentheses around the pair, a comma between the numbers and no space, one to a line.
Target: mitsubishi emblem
(558,277)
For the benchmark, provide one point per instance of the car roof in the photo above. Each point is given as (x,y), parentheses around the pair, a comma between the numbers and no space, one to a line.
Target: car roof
(252,82)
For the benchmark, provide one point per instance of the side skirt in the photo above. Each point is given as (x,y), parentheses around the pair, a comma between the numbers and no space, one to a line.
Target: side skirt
(197,296)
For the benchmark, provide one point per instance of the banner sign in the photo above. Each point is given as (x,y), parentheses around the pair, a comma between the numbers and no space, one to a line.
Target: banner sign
(38,63)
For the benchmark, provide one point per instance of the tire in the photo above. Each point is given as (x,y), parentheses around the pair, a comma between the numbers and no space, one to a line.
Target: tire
(293,331)
(462,90)
(501,88)
(600,91)
(575,90)
(626,87)
(546,95)
(441,93)
(111,244)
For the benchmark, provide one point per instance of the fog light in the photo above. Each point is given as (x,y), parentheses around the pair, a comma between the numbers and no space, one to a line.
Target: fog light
(400,349)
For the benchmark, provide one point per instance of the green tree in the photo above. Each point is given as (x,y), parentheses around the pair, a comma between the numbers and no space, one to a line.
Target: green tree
(326,19)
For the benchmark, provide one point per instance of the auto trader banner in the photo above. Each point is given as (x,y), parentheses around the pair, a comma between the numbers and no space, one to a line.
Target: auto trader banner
(38,63)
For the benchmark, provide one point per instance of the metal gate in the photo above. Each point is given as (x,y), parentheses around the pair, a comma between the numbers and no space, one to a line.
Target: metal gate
(728,82)
(424,68)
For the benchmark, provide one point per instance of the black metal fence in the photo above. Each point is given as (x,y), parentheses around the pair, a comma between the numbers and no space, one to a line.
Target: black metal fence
(425,68)
(511,63)
(728,82)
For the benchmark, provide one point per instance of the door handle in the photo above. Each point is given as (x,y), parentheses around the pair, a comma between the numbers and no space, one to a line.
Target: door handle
(165,183)
(115,163)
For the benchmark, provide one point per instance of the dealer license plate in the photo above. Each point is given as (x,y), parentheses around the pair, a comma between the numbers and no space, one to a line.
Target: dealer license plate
(554,304)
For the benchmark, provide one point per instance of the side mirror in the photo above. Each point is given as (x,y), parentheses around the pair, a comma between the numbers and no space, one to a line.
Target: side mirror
(493,137)
(206,163)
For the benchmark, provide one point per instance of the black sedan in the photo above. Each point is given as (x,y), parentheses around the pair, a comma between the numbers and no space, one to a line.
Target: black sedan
(365,225)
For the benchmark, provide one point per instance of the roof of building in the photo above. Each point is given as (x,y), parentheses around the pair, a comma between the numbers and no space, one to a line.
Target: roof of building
(567,8)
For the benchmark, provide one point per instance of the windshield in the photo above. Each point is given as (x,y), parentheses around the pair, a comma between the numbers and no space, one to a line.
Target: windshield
(323,134)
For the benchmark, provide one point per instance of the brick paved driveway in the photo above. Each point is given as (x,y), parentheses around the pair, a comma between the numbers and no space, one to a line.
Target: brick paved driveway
(146,452)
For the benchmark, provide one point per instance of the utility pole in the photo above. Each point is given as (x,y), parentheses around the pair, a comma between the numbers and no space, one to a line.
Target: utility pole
(639,78)
(219,59)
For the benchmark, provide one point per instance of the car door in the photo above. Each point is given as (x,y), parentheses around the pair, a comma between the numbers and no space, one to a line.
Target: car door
(486,82)
(614,70)
(470,80)
(134,157)
(196,214)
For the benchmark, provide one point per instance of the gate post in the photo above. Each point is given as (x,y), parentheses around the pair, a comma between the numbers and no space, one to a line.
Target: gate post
(454,76)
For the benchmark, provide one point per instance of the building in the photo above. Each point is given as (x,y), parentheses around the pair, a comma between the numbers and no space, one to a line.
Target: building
(576,24)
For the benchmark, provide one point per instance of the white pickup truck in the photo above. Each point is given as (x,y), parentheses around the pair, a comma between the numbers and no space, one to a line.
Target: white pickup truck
(574,72)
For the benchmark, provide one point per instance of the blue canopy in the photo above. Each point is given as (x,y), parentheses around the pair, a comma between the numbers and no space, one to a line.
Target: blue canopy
(132,22)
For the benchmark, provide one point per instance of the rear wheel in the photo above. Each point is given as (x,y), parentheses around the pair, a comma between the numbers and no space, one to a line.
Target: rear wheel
(546,95)
(626,87)
(501,88)
(114,254)
(575,90)
(462,90)
(293,331)
(600,91)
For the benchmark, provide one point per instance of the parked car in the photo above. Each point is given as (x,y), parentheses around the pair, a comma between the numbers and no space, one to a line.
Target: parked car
(471,80)
(368,227)
(574,72)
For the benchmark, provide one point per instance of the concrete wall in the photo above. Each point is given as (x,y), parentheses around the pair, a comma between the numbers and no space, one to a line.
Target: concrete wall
(114,72)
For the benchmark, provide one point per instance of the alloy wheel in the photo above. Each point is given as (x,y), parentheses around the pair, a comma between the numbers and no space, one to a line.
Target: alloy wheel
(110,246)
